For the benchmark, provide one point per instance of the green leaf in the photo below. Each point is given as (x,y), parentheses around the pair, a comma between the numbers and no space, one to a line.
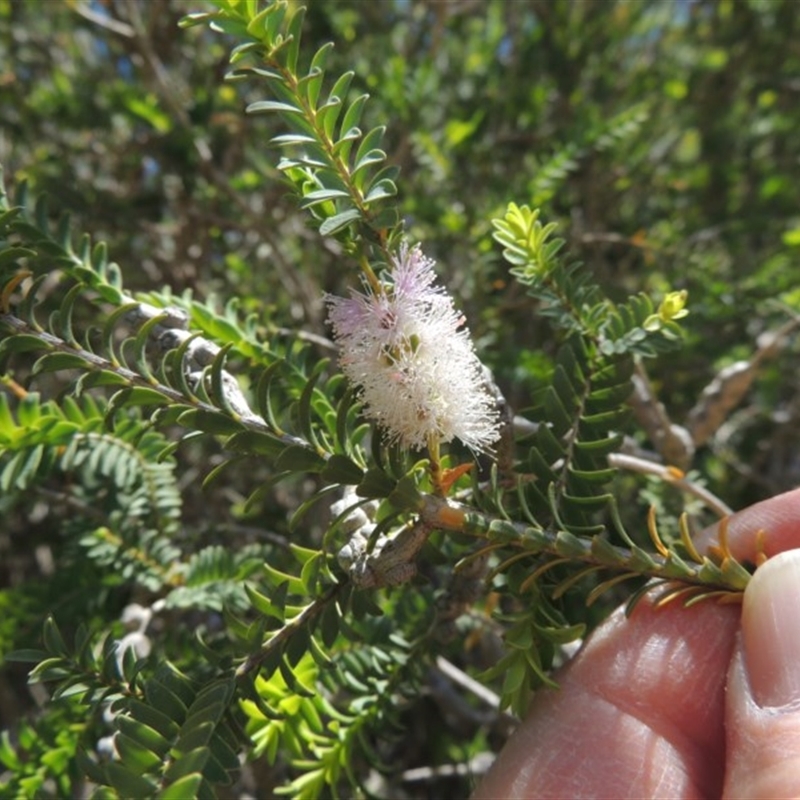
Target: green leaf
(21,343)
(8,756)
(329,625)
(263,604)
(145,736)
(343,470)
(135,756)
(183,788)
(369,146)
(277,578)
(13,254)
(321,196)
(127,782)
(103,377)
(152,718)
(339,221)
(293,37)
(374,156)
(57,361)
(22,469)
(264,106)
(51,669)
(164,699)
(329,113)
(381,190)
(193,761)
(196,735)
(217,424)
(376,483)
(135,396)
(53,640)
(256,443)
(26,656)
(299,459)
(352,117)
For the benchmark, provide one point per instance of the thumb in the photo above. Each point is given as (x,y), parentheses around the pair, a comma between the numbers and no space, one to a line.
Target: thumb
(763,699)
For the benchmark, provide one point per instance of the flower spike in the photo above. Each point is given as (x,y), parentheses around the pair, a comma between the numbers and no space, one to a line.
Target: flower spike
(405,346)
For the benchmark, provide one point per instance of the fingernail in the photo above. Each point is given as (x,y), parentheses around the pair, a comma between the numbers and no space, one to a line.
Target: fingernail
(771,630)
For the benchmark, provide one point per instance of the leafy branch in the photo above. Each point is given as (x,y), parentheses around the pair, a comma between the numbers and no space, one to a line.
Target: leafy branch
(336,168)
(314,644)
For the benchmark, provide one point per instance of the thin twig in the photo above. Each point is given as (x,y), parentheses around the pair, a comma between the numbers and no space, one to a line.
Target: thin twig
(485,695)
(104,21)
(477,765)
(671,475)
(674,443)
(282,635)
(731,384)
(247,417)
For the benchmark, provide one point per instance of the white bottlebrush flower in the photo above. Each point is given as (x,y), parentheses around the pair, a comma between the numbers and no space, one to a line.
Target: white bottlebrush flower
(407,350)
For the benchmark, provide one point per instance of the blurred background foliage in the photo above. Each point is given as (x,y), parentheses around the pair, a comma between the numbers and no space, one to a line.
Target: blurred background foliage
(662,136)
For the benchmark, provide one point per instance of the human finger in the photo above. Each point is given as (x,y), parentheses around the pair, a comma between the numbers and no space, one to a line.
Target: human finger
(622,701)
(763,529)
(639,713)
(763,699)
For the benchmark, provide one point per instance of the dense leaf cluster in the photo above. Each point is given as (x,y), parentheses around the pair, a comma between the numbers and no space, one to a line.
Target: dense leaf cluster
(227,580)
